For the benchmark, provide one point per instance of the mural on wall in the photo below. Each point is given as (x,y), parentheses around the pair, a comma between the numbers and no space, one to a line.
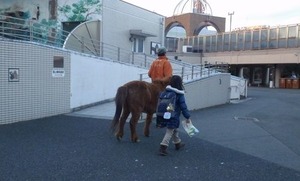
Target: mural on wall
(46,17)
(28,9)
(41,16)
(79,10)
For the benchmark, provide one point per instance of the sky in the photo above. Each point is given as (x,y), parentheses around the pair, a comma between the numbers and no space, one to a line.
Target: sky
(253,13)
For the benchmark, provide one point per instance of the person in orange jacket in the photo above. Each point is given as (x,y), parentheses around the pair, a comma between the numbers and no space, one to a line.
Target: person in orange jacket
(161,68)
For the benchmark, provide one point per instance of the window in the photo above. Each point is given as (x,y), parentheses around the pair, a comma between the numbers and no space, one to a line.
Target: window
(138,45)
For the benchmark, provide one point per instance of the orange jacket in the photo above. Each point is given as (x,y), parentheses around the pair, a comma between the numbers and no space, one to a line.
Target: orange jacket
(160,69)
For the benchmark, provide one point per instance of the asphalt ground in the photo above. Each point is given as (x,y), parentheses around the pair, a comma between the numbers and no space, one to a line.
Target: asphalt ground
(251,139)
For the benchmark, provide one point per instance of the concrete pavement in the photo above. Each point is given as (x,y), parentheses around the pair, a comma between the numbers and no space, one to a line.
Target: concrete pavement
(252,139)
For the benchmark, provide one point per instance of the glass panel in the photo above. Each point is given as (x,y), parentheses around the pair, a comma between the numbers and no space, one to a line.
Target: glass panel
(255,40)
(196,42)
(248,36)
(233,41)
(255,35)
(282,37)
(292,43)
(282,43)
(282,32)
(171,44)
(292,31)
(273,34)
(263,45)
(226,42)
(255,45)
(196,46)
(190,41)
(247,46)
(140,45)
(207,43)
(185,41)
(247,41)
(240,44)
(201,43)
(264,35)
(213,43)
(263,39)
(201,40)
(273,44)
(220,43)
(135,45)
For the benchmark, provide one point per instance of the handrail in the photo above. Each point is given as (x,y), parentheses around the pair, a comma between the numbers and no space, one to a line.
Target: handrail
(33,31)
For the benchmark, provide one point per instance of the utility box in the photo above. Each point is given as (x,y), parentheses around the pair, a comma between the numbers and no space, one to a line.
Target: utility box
(288,83)
(187,48)
(295,83)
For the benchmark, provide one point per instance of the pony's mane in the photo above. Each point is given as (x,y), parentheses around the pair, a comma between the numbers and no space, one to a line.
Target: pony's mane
(161,82)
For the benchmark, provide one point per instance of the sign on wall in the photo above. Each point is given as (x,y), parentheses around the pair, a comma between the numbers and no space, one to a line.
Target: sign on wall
(13,75)
(58,72)
(154,47)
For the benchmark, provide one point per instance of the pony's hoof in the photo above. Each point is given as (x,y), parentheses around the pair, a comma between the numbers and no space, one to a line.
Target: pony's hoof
(147,133)
(118,137)
(135,140)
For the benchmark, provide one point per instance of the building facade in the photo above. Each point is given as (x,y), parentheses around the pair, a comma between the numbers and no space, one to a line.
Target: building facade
(266,56)
(39,78)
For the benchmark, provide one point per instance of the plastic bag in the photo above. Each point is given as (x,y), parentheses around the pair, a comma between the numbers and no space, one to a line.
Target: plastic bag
(190,129)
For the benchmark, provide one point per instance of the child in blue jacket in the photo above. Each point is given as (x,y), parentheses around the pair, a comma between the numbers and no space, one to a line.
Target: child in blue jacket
(173,123)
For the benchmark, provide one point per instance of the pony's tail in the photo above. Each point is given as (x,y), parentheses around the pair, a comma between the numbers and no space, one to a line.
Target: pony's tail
(119,101)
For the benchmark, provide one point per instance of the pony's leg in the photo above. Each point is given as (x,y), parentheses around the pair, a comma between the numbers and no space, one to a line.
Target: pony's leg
(133,122)
(122,122)
(147,125)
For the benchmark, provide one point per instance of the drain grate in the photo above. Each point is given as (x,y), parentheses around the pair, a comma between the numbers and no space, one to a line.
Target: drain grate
(245,119)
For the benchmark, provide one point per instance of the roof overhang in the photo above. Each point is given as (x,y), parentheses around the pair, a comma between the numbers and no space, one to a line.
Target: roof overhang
(140,33)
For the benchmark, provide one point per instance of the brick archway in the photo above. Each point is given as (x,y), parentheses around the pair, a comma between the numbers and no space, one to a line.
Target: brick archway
(193,23)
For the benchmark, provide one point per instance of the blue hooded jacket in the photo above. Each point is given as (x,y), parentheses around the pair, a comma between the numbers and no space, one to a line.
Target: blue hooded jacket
(180,107)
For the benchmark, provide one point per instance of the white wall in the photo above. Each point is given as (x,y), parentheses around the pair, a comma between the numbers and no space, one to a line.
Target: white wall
(119,18)
(209,91)
(94,80)
(37,92)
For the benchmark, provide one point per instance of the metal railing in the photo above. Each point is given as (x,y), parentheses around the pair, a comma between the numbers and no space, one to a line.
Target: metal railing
(244,39)
(52,35)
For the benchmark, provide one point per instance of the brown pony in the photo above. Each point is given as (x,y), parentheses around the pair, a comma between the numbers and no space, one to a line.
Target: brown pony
(136,97)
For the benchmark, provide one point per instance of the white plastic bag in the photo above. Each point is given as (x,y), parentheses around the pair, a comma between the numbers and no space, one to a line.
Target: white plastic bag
(190,129)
